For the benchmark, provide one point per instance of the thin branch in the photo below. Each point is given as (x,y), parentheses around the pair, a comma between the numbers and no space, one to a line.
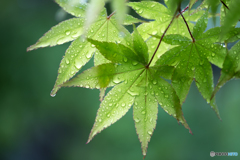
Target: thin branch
(224,4)
(161,40)
(182,11)
(108,17)
(187,27)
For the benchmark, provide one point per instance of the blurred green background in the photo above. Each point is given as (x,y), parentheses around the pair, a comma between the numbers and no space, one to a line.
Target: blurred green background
(35,126)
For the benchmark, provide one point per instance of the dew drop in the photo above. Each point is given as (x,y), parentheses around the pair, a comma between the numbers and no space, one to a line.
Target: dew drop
(143,112)
(154,32)
(137,120)
(67,33)
(134,63)
(150,132)
(78,64)
(151,120)
(108,115)
(67,61)
(100,120)
(125,59)
(89,55)
(52,95)
(116,80)
(154,82)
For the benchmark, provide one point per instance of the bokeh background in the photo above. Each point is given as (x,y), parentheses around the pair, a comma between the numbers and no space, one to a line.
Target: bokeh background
(35,126)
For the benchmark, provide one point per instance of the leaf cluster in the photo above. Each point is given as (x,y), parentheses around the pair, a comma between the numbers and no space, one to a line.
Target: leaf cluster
(154,65)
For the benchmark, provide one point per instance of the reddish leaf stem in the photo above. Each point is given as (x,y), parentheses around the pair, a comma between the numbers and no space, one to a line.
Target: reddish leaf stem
(160,41)
(182,11)
(108,17)
(187,27)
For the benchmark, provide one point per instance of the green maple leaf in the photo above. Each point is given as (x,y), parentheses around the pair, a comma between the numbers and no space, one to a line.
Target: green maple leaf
(192,60)
(231,67)
(134,84)
(80,51)
(162,17)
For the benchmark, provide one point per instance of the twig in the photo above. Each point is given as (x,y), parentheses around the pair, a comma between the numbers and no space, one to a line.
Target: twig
(161,40)
(182,11)
(224,4)
(187,27)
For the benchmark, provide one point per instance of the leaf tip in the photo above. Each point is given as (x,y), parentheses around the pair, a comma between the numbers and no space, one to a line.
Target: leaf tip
(54,91)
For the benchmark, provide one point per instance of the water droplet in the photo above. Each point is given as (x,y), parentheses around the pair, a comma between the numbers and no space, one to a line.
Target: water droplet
(108,115)
(140,11)
(213,54)
(100,120)
(78,64)
(154,82)
(89,55)
(154,32)
(166,96)
(67,32)
(125,59)
(116,80)
(110,104)
(133,93)
(134,63)
(150,132)
(137,120)
(67,61)
(151,120)
(53,95)
(143,112)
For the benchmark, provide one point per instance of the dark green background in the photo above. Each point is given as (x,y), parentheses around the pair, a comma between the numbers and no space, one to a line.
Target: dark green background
(35,126)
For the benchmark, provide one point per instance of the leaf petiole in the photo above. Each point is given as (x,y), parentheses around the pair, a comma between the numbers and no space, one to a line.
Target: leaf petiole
(161,39)
(187,27)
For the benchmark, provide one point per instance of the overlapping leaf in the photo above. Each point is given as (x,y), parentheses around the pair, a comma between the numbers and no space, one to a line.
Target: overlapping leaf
(231,67)
(191,59)
(135,84)
(81,51)
(162,17)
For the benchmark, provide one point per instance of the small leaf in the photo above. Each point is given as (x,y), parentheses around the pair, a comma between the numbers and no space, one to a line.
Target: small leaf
(192,62)
(63,32)
(140,46)
(129,20)
(231,67)
(145,111)
(117,53)
(74,7)
(115,105)
(232,16)
(201,25)
(104,75)
(167,98)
